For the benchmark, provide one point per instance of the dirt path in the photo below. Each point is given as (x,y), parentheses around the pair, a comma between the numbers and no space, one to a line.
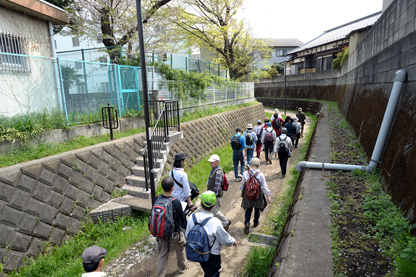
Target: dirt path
(232,258)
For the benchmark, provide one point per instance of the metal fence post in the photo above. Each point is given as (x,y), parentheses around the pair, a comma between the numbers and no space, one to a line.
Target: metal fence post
(85,71)
(63,92)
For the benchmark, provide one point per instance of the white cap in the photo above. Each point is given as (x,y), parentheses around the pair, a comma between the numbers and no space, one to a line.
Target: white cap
(300,109)
(214,158)
(249,126)
(276,110)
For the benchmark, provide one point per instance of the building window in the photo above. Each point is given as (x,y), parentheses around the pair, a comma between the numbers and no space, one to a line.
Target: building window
(281,52)
(75,41)
(13,49)
(103,61)
(78,65)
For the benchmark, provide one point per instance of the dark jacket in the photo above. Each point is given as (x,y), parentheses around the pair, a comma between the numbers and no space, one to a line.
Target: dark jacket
(259,203)
(211,181)
(301,117)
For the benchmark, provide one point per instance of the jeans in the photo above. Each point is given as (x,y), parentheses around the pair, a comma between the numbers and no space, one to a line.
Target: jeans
(212,267)
(238,157)
(283,157)
(268,148)
(249,155)
(248,215)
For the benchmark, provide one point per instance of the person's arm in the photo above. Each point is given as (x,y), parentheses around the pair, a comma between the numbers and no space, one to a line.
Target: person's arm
(254,137)
(243,142)
(264,187)
(263,135)
(289,143)
(223,237)
(219,178)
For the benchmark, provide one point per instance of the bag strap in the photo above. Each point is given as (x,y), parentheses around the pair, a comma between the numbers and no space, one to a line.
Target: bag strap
(179,184)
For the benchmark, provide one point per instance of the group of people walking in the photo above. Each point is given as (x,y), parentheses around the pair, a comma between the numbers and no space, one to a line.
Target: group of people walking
(208,228)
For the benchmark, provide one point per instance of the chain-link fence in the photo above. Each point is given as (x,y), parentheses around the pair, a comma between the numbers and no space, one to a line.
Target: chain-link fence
(79,89)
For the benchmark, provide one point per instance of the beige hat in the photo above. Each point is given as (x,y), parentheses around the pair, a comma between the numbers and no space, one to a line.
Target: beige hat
(249,126)
(214,158)
(255,162)
(276,110)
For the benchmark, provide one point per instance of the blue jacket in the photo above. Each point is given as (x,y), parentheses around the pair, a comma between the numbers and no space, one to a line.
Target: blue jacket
(242,141)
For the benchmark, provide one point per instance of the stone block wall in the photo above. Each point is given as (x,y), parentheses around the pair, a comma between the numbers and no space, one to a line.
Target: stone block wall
(47,199)
(362,91)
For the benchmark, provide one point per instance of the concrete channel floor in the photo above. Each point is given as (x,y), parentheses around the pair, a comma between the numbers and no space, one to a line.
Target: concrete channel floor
(308,252)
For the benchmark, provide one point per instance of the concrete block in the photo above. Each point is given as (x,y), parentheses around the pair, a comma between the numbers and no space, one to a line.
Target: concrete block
(124,171)
(9,177)
(56,236)
(97,193)
(41,191)
(109,187)
(11,216)
(20,242)
(3,254)
(101,180)
(90,173)
(68,160)
(49,214)
(60,184)
(106,197)
(74,226)
(82,198)
(6,191)
(87,185)
(55,199)
(79,166)
(27,224)
(107,158)
(93,161)
(67,206)
(13,260)
(112,175)
(35,247)
(52,165)
(103,168)
(71,192)
(26,183)
(78,212)
(76,178)
(42,230)
(116,165)
(32,170)
(62,221)
(65,171)
(84,156)
(35,207)
(5,234)
(46,176)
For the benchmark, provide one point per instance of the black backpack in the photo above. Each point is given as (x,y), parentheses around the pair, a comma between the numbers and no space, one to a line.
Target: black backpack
(235,143)
(259,136)
(249,138)
(282,146)
(276,123)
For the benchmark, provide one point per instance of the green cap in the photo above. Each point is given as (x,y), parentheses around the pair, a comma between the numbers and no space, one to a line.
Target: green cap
(208,198)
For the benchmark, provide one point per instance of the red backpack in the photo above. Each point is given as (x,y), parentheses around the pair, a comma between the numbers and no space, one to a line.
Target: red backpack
(161,223)
(252,187)
(225,183)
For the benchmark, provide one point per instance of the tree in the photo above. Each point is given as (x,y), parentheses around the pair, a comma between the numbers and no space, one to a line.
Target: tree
(213,24)
(115,22)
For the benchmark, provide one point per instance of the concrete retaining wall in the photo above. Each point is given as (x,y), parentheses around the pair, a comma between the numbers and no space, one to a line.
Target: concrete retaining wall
(47,199)
(362,91)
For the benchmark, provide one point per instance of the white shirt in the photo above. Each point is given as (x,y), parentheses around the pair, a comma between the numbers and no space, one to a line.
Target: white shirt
(260,178)
(285,139)
(182,178)
(94,274)
(214,229)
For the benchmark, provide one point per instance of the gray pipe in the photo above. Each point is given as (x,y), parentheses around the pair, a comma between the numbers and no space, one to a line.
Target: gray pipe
(382,135)
(388,117)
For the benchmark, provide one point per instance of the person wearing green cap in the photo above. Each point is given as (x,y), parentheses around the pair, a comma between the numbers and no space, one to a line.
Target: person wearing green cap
(217,235)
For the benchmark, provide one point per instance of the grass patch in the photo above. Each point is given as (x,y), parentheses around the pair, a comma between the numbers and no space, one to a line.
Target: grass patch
(65,260)
(27,152)
(258,261)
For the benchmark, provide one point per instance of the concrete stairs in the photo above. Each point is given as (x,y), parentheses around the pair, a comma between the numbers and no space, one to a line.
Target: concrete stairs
(137,198)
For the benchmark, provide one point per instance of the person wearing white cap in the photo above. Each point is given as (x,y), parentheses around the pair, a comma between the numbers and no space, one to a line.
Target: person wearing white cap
(301,119)
(214,183)
(251,140)
(259,132)
(276,115)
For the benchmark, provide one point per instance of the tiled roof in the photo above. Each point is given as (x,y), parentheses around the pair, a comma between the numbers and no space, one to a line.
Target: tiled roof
(339,32)
(282,42)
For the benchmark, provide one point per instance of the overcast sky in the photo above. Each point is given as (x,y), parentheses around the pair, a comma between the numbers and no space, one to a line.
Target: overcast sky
(303,19)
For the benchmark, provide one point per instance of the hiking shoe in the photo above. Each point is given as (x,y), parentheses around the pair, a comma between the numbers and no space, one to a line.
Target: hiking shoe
(246,228)
(283,176)
(238,179)
(270,161)
(182,271)
(228,225)
(256,224)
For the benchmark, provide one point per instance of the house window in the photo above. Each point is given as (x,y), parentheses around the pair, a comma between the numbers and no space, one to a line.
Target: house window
(78,65)
(75,41)
(80,88)
(13,49)
(281,53)
(103,61)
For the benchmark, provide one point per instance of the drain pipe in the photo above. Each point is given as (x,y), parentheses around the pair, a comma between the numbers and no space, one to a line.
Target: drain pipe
(401,76)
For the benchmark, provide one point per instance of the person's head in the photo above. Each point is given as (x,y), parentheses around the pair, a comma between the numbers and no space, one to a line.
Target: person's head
(179,161)
(255,162)
(276,115)
(276,111)
(93,258)
(295,119)
(300,109)
(208,200)
(269,124)
(259,122)
(249,126)
(288,119)
(167,184)
(238,130)
(284,130)
(214,161)
(266,120)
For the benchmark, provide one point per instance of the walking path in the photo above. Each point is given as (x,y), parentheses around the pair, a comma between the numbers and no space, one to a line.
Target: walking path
(302,255)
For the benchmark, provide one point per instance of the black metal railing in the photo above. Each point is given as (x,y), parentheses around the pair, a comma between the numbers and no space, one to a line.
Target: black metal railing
(164,117)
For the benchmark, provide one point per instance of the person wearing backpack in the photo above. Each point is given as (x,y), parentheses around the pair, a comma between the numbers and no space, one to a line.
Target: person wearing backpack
(298,130)
(215,184)
(251,140)
(277,123)
(291,128)
(268,138)
(283,147)
(238,144)
(174,222)
(181,190)
(259,132)
(302,119)
(254,195)
(206,236)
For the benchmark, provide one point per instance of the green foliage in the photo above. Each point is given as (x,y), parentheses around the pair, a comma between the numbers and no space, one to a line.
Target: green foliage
(189,84)
(273,72)
(256,76)
(341,58)
(344,57)
(406,268)
(258,261)
(65,260)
